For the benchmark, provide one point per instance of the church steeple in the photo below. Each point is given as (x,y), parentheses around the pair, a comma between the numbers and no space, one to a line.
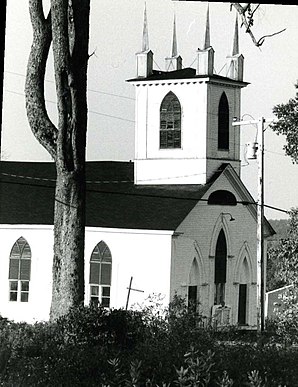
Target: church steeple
(171,106)
(174,42)
(207,31)
(145,57)
(145,41)
(235,49)
(175,61)
(206,55)
(235,60)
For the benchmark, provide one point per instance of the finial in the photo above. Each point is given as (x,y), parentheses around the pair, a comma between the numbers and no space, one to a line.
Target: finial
(145,43)
(207,31)
(235,49)
(174,43)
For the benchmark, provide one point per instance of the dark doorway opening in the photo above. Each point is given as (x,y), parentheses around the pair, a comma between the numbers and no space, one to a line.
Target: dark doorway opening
(242,304)
(192,298)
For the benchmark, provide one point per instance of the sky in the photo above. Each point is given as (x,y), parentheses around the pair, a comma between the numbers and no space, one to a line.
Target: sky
(115,37)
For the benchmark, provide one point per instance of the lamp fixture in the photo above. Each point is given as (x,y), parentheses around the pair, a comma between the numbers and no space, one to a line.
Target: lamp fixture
(228,213)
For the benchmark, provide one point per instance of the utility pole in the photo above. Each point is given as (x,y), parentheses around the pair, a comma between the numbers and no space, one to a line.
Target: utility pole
(261,267)
(260,233)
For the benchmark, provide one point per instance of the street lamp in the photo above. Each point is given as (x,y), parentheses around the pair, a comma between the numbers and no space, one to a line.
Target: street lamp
(258,151)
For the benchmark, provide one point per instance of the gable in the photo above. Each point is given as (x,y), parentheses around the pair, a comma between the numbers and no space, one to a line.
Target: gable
(231,194)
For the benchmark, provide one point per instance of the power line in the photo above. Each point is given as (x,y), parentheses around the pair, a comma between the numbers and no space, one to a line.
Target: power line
(133,121)
(92,90)
(140,194)
(90,111)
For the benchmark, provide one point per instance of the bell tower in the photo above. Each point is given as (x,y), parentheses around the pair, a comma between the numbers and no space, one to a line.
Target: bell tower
(183,116)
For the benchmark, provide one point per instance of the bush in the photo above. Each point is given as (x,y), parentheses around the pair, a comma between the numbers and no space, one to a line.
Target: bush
(92,346)
(285,324)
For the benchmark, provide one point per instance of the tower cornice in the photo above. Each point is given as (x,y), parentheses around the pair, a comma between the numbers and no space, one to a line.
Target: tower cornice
(172,77)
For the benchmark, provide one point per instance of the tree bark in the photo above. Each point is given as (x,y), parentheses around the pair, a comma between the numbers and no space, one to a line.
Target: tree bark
(67,27)
(69,231)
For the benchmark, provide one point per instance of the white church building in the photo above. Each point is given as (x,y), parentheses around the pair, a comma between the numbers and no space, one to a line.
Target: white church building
(178,219)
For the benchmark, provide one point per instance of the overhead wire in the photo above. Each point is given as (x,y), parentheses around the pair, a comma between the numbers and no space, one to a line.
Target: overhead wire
(92,90)
(140,194)
(127,119)
(133,121)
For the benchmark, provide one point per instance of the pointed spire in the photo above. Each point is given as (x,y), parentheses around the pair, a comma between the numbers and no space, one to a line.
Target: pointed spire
(206,55)
(235,61)
(174,62)
(207,31)
(145,42)
(235,49)
(145,57)
(174,43)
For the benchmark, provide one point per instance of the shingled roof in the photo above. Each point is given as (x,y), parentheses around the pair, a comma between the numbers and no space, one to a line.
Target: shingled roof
(27,191)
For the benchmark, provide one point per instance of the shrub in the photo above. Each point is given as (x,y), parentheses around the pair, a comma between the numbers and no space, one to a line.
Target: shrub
(92,346)
(285,324)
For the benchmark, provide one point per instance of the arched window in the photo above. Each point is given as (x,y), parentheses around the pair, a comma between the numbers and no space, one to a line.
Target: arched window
(100,274)
(193,286)
(222,197)
(223,123)
(220,272)
(170,122)
(19,271)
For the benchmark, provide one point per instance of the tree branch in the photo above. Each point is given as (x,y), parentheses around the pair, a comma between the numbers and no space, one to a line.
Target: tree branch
(261,40)
(246,15)
(241,10)
(41,125)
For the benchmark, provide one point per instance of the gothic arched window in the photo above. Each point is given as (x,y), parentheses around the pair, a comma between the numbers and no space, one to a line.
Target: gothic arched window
(220,272)
(100,274)
(223,123)
(170,122)
(193,286)
(19,271)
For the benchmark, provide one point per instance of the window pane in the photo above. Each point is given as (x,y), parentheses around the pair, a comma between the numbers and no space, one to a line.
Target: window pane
(95,255)
(101,247)
(106,254)
(24,296)
(15,251)
(95,291)
(94,301)
(13,285)
(94,272)
(13,296)
(105,278)
(163,124)
(163,139)
(25,286)
(14,268)
(25,269)
(26,252)
(105,302)
(105,291)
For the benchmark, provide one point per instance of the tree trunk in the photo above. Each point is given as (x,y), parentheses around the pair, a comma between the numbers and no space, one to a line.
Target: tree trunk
(67,27)
(69,230)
